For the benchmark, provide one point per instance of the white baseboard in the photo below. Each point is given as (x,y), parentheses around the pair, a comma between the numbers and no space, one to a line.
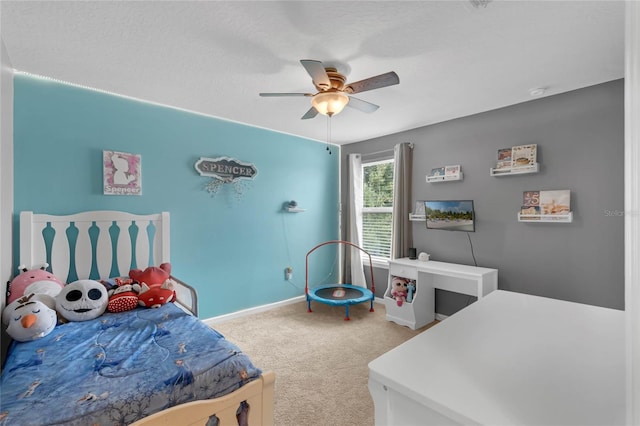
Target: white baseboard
(440,317)
(263,308)
(250,311)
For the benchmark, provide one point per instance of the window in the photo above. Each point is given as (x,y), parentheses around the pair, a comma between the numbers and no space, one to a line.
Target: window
(377,187)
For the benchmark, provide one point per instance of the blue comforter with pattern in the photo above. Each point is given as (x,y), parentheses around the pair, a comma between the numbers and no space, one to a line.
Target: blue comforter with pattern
(118,368)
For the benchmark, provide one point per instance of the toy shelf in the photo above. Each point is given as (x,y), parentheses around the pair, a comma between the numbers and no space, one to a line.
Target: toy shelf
(534,168)
(445,178)
(549,218)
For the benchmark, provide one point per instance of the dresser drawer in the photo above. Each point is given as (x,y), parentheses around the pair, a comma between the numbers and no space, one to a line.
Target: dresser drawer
(403,271)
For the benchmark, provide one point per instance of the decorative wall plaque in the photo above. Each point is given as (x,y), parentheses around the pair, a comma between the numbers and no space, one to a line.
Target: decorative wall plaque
(225,170)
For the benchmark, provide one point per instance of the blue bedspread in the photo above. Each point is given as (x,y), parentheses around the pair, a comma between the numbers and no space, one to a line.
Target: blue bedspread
(118,368)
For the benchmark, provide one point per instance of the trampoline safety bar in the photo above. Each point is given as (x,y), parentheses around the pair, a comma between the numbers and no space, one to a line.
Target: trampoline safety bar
(339,294)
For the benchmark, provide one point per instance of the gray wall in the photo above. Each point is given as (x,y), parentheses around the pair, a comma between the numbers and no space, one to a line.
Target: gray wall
(580,137)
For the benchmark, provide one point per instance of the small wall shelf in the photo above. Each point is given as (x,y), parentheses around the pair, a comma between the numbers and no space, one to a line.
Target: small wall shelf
(417,217)
(445,178)
(554,218)
(445,174)
(295,210)
(534,168)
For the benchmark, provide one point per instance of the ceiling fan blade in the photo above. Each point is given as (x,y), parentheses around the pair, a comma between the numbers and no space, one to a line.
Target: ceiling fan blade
(310,114)
(317,72)
(377,82)
(361,105)
(266,95)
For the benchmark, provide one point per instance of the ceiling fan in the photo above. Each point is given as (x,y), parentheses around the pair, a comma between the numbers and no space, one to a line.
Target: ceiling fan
(333,91)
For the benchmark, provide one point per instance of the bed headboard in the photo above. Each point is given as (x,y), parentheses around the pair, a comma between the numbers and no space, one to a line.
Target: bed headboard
(98,244)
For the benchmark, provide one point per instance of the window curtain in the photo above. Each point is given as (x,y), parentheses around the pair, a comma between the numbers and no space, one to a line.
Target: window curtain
(401,235)
(353,270)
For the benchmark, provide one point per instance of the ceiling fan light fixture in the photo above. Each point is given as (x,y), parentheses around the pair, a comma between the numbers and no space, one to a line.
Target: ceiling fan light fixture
(329,103)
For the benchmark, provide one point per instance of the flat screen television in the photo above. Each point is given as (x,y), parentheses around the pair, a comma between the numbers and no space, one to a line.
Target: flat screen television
(450,215)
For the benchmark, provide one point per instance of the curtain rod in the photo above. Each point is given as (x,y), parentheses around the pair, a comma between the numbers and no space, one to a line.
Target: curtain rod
(384,151)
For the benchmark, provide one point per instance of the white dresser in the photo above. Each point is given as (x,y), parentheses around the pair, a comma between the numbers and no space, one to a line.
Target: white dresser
(429,275)
(508,359)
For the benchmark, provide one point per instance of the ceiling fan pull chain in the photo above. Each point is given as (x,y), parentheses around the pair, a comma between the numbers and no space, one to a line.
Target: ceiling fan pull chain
(328,133)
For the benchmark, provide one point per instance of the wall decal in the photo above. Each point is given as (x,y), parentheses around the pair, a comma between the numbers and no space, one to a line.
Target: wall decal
(122,173)
(225,170)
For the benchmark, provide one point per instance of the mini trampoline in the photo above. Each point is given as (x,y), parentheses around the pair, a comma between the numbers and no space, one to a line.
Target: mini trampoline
(339,294)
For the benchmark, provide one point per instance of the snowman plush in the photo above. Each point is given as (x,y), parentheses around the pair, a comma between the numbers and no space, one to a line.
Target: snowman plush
(30,317)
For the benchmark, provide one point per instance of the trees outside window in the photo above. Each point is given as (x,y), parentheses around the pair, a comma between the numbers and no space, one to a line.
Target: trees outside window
(377,186)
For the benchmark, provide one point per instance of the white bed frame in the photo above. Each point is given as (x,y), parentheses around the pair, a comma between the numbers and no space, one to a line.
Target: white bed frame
(94,258)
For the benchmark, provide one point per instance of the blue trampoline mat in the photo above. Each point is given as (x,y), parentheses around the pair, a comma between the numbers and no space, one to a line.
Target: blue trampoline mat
(340,294)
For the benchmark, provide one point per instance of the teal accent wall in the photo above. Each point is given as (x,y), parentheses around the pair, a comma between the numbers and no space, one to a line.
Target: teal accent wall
(232,247)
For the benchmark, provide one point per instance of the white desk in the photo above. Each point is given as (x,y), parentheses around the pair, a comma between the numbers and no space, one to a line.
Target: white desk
(466,279)
(509,359)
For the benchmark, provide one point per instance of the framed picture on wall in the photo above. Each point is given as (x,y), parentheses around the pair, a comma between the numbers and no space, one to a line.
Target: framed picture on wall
(122,173)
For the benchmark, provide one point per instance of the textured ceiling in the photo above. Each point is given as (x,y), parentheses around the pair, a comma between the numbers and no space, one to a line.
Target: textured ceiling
(214,57)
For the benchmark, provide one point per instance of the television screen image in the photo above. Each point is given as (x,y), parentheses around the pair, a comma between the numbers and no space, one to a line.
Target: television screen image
(450,215)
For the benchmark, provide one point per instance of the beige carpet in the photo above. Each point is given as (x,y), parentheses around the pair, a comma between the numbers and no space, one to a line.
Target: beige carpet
(319,359)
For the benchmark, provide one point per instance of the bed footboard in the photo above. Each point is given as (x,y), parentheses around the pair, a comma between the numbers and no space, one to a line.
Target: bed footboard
(258,394)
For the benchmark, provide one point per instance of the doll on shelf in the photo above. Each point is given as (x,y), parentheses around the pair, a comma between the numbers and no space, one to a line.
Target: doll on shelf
(399,289)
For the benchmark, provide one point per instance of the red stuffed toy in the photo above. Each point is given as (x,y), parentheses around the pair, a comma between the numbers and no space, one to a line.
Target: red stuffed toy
(156,296)
(156,286)
(152,275)
(123,296)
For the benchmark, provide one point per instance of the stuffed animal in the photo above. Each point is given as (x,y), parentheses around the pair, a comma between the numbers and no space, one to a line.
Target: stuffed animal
(30,318)
(152,275)
(156,295)
(411,289)
(156,286)
(40,297)
(36,280)
(82,300)
(399,289)
(123,296)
